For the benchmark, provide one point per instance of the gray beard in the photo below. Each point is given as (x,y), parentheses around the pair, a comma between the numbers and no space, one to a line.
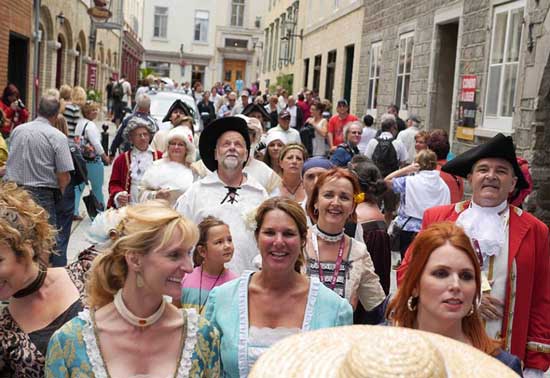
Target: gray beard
(231,163)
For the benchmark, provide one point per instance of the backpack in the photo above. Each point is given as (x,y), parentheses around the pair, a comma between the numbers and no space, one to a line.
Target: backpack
(118,91)
(385,156)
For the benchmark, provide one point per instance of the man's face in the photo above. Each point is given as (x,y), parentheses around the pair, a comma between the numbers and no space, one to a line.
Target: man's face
(342,110)
(231,151)
(392,110)
(244,100)
(354,134)
(492,180)
(140,138)
(310,179)
(176,115)
(231,100)
(284,123)
(291,102)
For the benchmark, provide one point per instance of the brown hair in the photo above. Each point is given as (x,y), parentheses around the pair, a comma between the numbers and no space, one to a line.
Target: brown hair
(331,174)
(293,210)
(426,159)
(292,146)
(24,225)
(61,124)
(65,92)
(204,226)
(146,227)
(88,107)
(433,237)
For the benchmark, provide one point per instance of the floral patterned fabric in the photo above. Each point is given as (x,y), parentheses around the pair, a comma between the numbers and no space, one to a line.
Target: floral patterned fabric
(73,351)
(20,356)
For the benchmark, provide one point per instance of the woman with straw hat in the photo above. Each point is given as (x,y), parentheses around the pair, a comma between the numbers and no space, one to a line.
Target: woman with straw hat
(440,291)
(130,330)
(259,309)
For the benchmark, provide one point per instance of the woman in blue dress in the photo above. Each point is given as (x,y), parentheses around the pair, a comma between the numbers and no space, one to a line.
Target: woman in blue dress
(130,329)
(259,309)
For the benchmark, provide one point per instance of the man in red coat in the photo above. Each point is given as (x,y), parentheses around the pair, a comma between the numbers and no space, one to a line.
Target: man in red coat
(513,247)
(129,167)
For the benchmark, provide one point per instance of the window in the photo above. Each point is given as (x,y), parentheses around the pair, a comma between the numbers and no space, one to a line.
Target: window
(275,46)
(160,68)
(306,72)
(197,74)
(161,22)
(237,12)
(201,26)
(331,68)
(503,65)
(317,73)
(404,66)
(233,42)
(374,75)
(265,51)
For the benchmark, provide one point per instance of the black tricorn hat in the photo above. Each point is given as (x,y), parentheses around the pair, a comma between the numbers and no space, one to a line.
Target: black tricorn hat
(187,110)
(499,146)
(250,108)
(211,133)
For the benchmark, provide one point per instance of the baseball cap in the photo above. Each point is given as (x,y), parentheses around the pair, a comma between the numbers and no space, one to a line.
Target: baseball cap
(343,102)
(284,114)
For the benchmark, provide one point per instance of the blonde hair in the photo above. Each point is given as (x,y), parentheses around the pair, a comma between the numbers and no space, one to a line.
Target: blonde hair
(65,92)
(426,159)
(146,227)
(24,225)
(78,96)
(88,107)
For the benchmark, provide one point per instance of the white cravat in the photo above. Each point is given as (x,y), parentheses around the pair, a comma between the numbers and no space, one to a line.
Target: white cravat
(486,226)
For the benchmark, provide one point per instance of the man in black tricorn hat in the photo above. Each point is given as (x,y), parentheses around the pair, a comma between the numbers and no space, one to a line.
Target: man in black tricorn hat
(227,193)
(513,248)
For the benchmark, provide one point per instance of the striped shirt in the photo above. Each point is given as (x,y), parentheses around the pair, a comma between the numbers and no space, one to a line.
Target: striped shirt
(72,115)
(37,152)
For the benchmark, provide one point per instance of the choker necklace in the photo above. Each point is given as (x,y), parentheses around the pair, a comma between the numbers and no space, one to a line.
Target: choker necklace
(326,236)
(35,285)
(135,320)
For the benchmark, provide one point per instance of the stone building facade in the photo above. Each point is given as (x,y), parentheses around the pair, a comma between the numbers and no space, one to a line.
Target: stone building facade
(330,49)
(65,48)
(466,63)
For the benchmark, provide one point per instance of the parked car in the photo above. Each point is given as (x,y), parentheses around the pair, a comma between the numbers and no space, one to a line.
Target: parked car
(162,100)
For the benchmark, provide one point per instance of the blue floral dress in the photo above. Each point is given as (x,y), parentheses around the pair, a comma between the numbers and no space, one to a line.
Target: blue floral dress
(74,351)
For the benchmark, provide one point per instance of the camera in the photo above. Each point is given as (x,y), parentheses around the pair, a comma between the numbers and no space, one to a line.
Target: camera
(20,104)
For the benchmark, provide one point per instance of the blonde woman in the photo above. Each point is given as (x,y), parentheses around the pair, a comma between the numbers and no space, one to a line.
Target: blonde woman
(41,299)
(88,137)
(130,329)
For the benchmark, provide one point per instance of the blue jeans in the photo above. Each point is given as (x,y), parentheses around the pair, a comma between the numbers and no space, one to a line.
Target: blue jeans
(64,213)
(96,172)
(47,198)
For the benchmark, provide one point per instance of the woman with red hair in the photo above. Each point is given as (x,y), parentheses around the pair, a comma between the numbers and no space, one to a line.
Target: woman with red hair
(343,264)
(13,108)
(440,292)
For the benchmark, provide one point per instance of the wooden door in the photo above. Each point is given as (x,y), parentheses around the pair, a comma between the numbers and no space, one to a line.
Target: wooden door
(234,70)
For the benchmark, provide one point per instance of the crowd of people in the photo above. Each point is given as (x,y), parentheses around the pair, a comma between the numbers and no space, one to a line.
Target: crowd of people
(273,220)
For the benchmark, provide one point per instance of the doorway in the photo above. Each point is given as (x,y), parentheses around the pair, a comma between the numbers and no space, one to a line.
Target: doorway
(444,75)
(17,63)
(60,63)
(350,53)
(233,70)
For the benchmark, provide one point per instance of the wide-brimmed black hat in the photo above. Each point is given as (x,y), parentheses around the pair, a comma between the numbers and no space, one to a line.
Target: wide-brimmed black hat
(179,104)
(251,108)
(211,133)
(500,146)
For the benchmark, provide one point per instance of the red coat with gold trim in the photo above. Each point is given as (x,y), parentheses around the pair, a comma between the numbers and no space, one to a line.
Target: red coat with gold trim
(526,324)
(121,179)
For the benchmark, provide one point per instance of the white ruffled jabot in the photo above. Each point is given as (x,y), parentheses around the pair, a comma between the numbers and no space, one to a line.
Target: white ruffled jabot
(486,226)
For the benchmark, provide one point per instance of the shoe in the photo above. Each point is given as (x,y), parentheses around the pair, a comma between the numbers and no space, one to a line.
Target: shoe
(77,218)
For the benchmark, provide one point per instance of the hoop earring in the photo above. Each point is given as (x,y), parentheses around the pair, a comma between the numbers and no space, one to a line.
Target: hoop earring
(139,280)
(410,306)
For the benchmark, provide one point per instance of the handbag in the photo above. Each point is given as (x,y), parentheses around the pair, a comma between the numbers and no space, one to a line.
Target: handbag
(394,230)
(88,150)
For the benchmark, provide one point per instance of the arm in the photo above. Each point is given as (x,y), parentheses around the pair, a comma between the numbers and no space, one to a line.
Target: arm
(117,182)
(94,137)
(63,179)
(321,128)
(405,171)
(117,141)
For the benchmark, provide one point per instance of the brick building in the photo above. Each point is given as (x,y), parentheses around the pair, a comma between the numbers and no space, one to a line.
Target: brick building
(474,68)
(15,43)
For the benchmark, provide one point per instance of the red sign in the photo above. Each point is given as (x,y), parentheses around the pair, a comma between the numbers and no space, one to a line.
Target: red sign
(92,75)
(468,93)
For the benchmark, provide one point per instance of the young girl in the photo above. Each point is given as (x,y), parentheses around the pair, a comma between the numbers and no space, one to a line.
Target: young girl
(213,250)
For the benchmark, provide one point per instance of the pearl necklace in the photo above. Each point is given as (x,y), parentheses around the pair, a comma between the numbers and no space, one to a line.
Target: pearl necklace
(135,320)
(327,237)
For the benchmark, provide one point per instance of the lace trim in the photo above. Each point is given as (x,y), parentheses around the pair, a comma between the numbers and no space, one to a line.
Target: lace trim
(92,349)
(190,341)
(314,284)
(243,324)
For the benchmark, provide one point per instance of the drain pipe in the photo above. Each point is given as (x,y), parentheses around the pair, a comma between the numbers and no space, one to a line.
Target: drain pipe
(37,36)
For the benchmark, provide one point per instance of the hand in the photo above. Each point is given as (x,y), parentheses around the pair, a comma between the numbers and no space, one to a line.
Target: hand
(163,194)
(413,168)
(333,148)
(14,106)
(106,160)
(123,199)
(491,308)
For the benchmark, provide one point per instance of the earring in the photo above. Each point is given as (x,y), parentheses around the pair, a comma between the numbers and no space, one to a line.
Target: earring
(410,305)
(139,280)
(471,312)
(315,211)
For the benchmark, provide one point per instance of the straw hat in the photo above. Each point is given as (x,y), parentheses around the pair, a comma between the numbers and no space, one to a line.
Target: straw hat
(375,352)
